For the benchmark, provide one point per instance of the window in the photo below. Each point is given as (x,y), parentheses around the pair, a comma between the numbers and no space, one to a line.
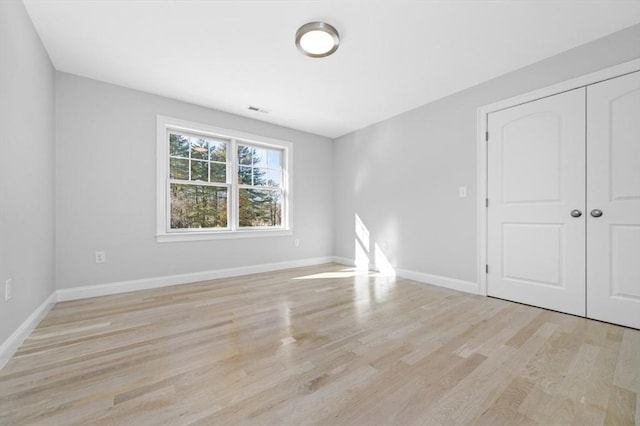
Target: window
(259,186)
(217,183)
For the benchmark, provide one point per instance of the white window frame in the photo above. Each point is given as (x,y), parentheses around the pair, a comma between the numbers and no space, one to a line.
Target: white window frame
(164,233)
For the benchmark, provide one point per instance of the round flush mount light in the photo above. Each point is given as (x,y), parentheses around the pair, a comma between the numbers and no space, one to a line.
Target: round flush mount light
(317,39)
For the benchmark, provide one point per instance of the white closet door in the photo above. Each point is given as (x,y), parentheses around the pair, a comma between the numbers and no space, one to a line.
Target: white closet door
(536,165)
(613,187)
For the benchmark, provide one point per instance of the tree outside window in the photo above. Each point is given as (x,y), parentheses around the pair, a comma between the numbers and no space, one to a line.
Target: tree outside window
(223,184)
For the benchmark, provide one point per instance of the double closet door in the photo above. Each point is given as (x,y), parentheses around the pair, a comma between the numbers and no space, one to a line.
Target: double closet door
(563,228)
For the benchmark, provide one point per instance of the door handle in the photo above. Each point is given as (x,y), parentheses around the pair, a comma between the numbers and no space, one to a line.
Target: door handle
(596,213)
(576,213)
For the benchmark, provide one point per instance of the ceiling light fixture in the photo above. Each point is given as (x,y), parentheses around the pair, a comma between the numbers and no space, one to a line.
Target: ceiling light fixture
(317,39)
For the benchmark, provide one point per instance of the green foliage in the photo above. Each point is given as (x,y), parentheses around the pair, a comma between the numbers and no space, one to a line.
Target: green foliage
(260,207)
(203,206)
(194,206)
(257,207)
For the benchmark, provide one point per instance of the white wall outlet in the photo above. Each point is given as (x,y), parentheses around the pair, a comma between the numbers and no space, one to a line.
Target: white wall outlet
(462,192)
(296,243)
(8,289)
(101,257)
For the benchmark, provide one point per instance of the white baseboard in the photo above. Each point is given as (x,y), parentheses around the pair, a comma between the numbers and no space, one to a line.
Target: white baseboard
(84,292)
(343,261)
(350,262)
(440,281)
(11,345)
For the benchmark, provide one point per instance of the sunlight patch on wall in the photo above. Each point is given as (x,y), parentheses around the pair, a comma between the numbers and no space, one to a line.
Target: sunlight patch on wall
(383,266)
(361,256)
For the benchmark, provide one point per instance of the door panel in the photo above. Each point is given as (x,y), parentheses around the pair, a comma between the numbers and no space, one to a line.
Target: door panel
(544,244)
(613,186)
(625,267)
(532,141)
(536,160)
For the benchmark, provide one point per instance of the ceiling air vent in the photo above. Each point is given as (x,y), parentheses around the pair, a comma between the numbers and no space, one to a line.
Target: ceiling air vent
(258,109)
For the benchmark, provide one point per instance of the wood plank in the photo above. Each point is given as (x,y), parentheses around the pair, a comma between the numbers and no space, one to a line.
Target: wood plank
(318,345)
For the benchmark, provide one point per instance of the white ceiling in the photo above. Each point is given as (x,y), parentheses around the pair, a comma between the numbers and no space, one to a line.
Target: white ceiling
(394,55)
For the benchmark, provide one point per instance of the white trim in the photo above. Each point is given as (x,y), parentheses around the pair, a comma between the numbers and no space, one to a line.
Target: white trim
(233,137)
(352,263)
(218,132)
(13,342)
(574,83)
(344,261)
(222,235)
(484,111)
(84,292)
(481,206)
(422,277)
(438,280)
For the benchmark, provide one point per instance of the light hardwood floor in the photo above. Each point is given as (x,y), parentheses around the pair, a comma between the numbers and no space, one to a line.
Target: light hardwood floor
(319,345)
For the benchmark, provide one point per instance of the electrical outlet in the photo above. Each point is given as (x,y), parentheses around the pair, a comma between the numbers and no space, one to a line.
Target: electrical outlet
(462,192)
(101,257)
(8,289)
(296,243)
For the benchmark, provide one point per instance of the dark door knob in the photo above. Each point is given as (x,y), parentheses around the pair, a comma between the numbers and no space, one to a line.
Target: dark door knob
(576,213)
(596,213)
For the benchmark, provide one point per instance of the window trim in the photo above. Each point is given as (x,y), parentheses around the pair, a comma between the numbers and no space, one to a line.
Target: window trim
(165,234)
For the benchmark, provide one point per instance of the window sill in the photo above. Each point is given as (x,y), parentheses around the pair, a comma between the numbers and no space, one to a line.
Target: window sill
(221,235)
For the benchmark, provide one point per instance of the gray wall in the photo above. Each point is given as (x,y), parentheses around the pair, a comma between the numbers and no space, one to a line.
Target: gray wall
(26,167)
(401,176)
(106,189)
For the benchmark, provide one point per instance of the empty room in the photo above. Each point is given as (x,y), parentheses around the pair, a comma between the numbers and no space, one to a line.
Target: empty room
(394,212)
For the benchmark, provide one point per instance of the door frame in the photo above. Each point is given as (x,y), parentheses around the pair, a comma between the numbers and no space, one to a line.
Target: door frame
(482,153)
